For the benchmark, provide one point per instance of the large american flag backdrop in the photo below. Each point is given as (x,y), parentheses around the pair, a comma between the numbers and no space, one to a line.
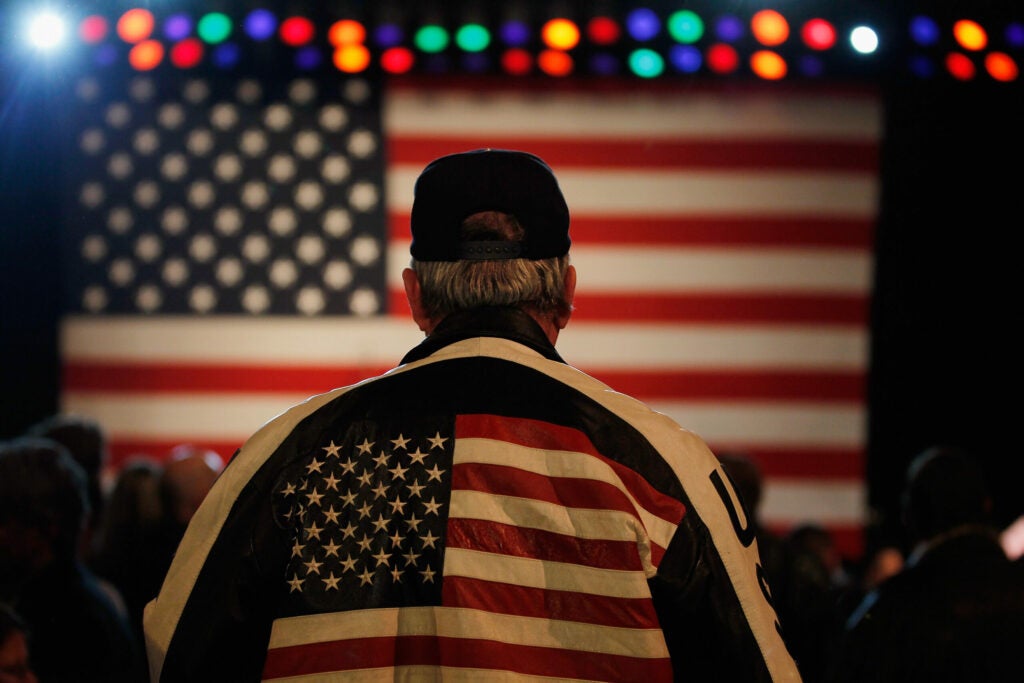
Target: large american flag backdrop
(234,245)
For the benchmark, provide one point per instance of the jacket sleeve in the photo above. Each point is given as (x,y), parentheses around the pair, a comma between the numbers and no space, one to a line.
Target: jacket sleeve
(710,590)
(212,617)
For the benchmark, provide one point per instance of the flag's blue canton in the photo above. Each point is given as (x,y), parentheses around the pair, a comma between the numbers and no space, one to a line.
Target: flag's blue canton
(368,517)
(206,196)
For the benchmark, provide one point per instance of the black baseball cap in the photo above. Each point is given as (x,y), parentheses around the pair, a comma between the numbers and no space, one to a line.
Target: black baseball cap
(455,186)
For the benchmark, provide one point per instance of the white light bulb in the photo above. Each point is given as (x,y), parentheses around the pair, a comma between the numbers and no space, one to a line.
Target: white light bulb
(47,30)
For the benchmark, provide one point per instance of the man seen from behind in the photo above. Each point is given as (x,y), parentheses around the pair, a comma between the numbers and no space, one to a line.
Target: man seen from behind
(484,510)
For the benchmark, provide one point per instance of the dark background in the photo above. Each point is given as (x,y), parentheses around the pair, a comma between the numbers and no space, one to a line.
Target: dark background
(946,351)
(945,356)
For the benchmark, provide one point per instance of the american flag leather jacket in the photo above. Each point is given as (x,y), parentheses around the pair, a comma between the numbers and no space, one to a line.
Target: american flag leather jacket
(482,511)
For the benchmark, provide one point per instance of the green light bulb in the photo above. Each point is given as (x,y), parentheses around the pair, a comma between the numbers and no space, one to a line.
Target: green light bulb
(685,26)
(646,63)
(214,28)
(472,38)
(431,38)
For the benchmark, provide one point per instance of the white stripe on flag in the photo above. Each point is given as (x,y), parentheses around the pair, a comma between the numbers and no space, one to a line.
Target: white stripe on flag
(658,193)
(234,416)
(383,341)
(548,575)
(575,115)
(468,624)
(779,423)
(625,269)
(787,502)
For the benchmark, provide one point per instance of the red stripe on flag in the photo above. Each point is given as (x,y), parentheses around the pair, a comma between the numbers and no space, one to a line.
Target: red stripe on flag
(797,462)
(643,152)
(774,308)
(617,86)
(504,598)
(503,480)
(798,230)
(735,385)
(369,653)
(718,384)
(507,539)
(705,308)
(523,431)
(353,653)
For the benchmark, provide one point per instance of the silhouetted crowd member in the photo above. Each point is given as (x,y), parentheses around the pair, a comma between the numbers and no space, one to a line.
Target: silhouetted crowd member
(187,476)
(15,665)
(801,586)
(86,441)
(77,632)
(147,511)
(817,541)
(484,510)
(955,612)
(130,549)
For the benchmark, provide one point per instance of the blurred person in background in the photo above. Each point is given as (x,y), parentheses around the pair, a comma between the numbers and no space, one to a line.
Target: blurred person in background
(86,441)
(129,549)
(955,611)
(188,474)
(800,582)
(78,632)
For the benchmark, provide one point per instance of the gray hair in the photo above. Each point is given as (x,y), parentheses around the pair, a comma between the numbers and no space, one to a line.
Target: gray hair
(449,286)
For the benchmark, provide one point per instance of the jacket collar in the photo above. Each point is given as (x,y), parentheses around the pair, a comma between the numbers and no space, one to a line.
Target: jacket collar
(487,321)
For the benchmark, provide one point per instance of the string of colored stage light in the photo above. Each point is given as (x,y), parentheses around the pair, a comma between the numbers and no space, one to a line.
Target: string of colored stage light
(642,43)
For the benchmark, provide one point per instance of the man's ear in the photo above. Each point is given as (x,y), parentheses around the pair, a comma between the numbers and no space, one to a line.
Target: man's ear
(415,296)
(562,318)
